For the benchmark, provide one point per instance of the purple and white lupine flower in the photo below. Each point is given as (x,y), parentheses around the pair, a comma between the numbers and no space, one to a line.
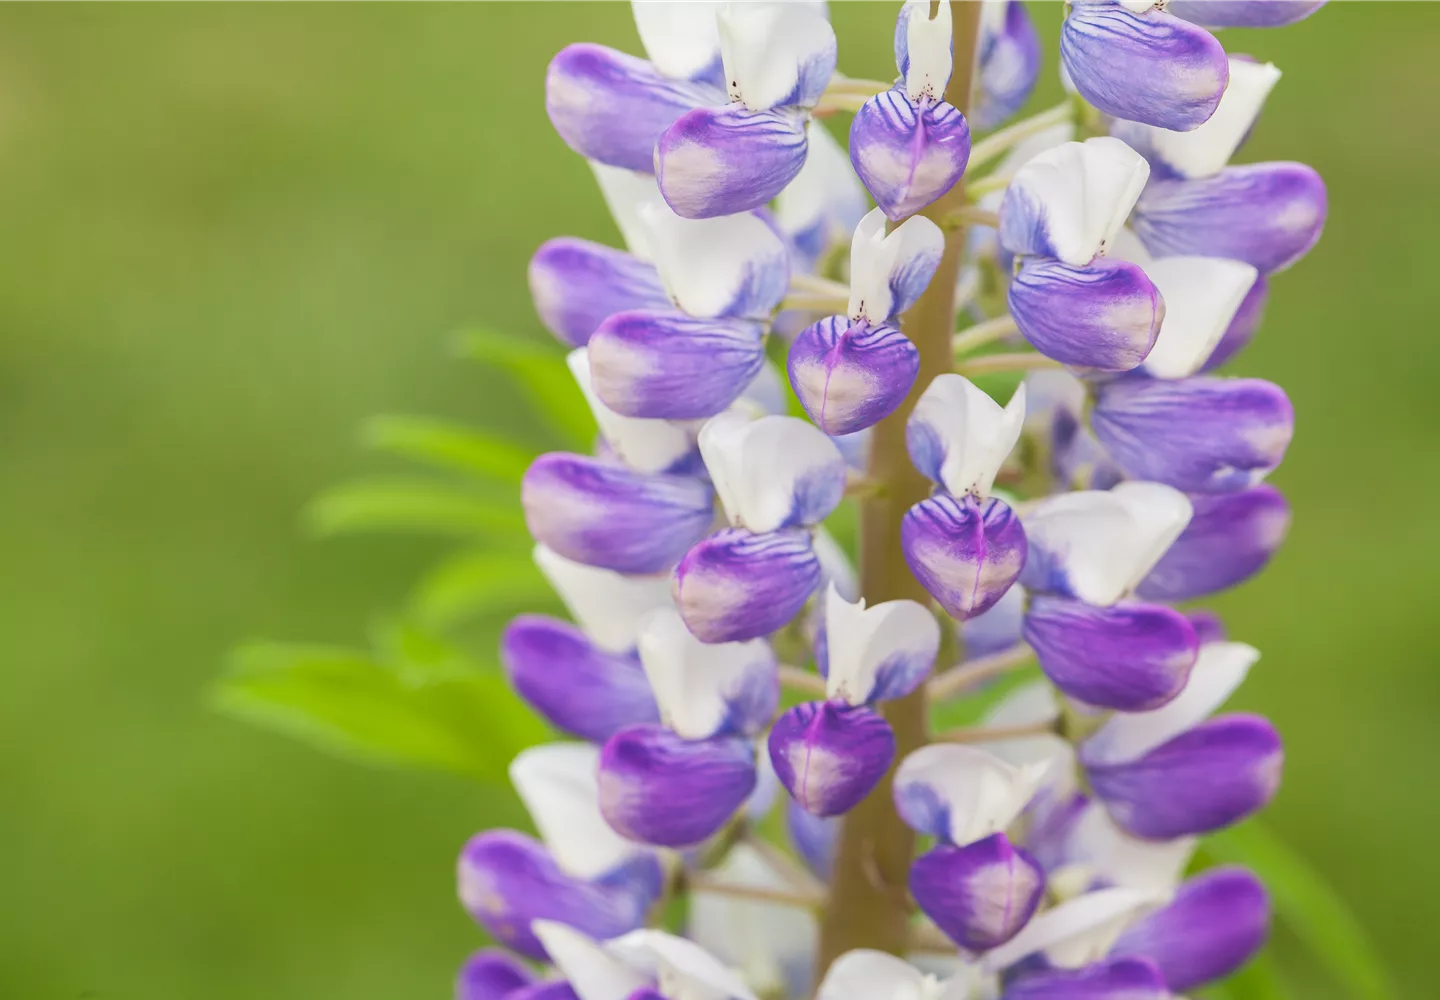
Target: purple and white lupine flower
(849,372)
(1007,62)
(909,146)
(640,965)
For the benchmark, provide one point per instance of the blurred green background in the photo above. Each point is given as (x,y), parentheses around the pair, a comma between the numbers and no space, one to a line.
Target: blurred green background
(228,233)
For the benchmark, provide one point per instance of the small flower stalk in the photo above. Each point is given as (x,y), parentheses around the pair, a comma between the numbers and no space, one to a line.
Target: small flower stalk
(723,666)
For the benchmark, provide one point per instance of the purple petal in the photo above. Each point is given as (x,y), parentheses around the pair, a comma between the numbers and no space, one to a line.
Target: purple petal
(981,894)
(1215,923)
(554,990)
(490,975)
(666,365)
(1244,13)
(603,514)
(612,107)
(850,377)
(1208,626)
(735,585)
(720,161)
(1009,61)
(815,838)
(657,788)
(508,880)
(1201,435)
(576,284)
(1265,214)
(1230,538)
(1242,327)
(965,552)
(831,756)
(1104,315)
(1112,979)
(575,685)
(1150,67)
(907,156)
(1204,779)
(1131,656)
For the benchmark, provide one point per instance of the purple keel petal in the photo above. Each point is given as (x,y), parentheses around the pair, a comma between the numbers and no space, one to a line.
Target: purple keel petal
(720,161)
(831,756)
(574,684)
(490,975)
(1112,979)
(1204,779)
(1009,60)
(1150,67)
(657,788)
(907,156)
(576,284)
(1201,435)
(1244,13)
(1265,214)
(735,585)
(1208,626)
(965,552)
(507,880)
(1132,656)
(612,107)
(1104,315)
(545,991)
(1215,923)
(1230,538)
(981,894)
(850,377)
(815,838)
(1242,328)
(603,514)
(666,365)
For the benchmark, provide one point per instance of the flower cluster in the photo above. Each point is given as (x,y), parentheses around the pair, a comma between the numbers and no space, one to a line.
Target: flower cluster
(1121,478)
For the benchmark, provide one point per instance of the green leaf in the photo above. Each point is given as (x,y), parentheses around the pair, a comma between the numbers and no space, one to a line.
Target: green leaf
(543,375)
(346,703)
(1309,906)
(418,654)
(417,505)
(449,446)
(476,583)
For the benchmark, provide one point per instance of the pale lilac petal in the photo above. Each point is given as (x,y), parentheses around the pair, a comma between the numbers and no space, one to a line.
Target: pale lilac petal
(666,365)
(490,975)
(979,895)
(1009,63)
(1148,67)
(1244,13)
(1207,778)
(1130,657)
(1112,979)
(908,155)
(720,161)
(1105,315)
(891,267)
(1201,435)
(1217,921)
(736,585)
(576,284)
(1242,328)
(1266,214)
(830,756)
(1229,539)
(708,689)
(737,266)
(997,629)
(815,838)
(658,788)
(1077,458)
(958,436)
(965,552)
(880,652)
(776,54)
(851,376)
(612,107)
(772,472)
(577,686)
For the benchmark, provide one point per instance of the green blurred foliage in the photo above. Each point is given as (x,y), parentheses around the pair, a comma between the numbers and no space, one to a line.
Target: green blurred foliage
(232,233)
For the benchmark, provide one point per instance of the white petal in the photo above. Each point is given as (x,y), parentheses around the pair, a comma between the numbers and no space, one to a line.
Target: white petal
(624,192)
(766,391)
(608,606)
(825,193)
(929,44)
(710,265)
(835,566)
(770,49)
(1112,856)
(1075,933)
(684,970)
(762,467)
(1031,146)
(1048,390)
(1219,670)
(894,635)
(772,945)
(872,975)
(982,793)
(975,432)
(1202,295)
(696,683)
(680,36)
(1033,702)
(1081,193)
(644,445)
(557,783)
(1204,151)
(592,971)
(886,268)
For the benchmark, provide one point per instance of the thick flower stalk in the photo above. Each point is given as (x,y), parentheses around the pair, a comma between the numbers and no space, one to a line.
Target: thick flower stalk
(1040,534)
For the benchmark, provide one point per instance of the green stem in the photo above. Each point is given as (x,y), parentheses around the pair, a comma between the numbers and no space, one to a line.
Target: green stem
(990,734)
(1021,361)
(998,143)
(983,333)
(959,680)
